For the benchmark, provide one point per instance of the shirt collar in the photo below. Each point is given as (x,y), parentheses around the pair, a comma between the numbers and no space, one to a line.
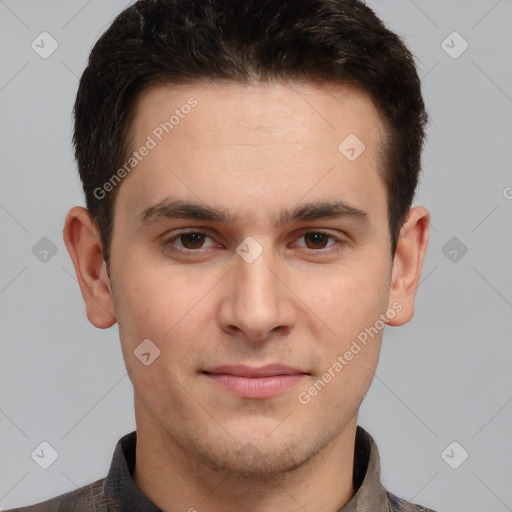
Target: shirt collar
(371,494)
(120,489)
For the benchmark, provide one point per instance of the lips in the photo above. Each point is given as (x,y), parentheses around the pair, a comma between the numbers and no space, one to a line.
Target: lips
(249,371)
(255,382)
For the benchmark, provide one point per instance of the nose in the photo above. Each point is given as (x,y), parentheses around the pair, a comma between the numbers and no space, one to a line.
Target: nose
(256,304)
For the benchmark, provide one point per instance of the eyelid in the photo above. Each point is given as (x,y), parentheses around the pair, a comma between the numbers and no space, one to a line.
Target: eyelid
(168,240)
(338,240)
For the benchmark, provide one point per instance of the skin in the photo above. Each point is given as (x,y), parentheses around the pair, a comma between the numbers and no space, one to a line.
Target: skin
(255,151)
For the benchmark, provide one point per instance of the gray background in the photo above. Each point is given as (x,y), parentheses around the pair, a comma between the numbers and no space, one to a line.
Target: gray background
(444,377)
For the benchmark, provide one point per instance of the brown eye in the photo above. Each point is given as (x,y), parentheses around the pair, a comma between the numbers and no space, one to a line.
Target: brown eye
(189,243)
(192,240)
(316,240)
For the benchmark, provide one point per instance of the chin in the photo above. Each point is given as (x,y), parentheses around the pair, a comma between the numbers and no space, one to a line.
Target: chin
(261,458)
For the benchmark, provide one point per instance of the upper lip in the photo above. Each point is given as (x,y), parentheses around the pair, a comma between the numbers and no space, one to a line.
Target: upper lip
(268,370)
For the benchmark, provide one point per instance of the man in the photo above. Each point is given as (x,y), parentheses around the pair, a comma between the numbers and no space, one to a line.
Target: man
(249,169)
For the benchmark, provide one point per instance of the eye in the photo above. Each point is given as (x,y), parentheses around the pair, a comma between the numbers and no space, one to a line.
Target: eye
(317,240)
(191,241)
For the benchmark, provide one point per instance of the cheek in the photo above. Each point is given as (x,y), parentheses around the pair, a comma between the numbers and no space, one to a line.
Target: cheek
(349,303)
(152,301)
(169,309)
(348,299)
(152,309)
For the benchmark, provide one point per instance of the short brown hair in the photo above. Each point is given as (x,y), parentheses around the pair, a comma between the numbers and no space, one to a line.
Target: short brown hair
(182,41)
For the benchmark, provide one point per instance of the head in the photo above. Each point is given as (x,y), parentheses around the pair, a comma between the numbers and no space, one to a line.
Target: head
(249,169)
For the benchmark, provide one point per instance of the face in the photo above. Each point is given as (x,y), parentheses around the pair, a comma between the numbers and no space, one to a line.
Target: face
(252,250)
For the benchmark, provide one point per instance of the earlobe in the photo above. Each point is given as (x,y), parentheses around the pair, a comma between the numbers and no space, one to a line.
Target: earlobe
(84,246)
(407,265)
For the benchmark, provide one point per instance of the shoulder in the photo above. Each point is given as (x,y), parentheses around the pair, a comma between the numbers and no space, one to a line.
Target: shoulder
(89,497)
(397,504)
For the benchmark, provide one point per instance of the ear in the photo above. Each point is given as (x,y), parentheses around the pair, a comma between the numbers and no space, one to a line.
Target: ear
(83,243)
(407,265)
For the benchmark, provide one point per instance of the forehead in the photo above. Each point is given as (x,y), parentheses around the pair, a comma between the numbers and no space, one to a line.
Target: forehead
(268,142)
(305,109)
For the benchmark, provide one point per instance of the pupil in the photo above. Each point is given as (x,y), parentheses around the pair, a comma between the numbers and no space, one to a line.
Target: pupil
(192,240)
(317,239)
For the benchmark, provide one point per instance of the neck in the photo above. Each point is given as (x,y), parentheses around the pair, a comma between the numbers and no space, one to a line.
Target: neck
(176,480)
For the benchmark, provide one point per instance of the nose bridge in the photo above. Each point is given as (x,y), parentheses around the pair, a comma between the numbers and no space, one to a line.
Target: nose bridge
(256,282)
(257,303)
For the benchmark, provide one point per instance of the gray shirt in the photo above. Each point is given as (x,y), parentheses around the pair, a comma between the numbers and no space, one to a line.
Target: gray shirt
(117,492)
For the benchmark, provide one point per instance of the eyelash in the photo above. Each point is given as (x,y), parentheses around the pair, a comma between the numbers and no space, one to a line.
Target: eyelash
(168,243)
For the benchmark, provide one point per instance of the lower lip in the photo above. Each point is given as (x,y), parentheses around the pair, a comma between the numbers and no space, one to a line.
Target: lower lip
(256,387)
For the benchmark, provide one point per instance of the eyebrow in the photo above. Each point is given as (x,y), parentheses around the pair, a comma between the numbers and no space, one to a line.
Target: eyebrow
(174,208)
